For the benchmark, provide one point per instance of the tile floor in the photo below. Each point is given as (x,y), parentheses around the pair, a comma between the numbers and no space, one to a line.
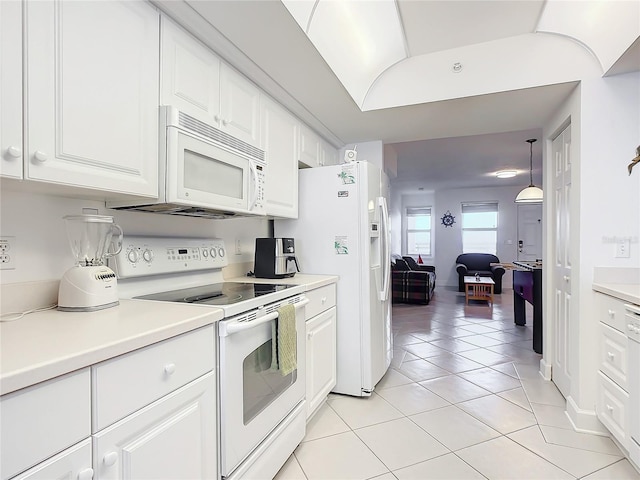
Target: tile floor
(463,399)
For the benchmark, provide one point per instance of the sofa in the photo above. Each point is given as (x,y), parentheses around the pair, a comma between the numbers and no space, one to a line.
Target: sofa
(409,285)
(468,264)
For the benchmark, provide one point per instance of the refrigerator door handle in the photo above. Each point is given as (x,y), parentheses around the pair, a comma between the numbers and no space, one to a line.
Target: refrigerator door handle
(385,261)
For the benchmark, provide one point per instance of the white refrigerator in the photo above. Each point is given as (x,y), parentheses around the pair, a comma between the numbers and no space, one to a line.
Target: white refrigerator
(343,229)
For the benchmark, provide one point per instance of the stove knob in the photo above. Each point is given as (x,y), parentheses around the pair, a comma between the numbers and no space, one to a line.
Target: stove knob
(205,252)
(213,253)
(133,256)
(147,255)
(221,252)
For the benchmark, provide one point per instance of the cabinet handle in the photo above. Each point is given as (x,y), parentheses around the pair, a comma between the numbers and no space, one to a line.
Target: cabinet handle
(225,122)
(610,408)
(310,335)
(611,356)
(14,152)
(40,156)
(86,474)
(217,118)
(110,458)
(611,313)
(566,278)
(169,368)
(323,299)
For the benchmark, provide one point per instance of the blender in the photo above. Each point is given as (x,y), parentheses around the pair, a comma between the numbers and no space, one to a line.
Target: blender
(90,285)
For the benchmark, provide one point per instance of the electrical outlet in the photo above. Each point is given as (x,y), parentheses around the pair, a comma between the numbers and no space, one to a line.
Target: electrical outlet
(622,249)
(7,253)
(238,248)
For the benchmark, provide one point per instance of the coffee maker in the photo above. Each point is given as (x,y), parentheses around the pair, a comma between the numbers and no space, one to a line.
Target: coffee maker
(275,258)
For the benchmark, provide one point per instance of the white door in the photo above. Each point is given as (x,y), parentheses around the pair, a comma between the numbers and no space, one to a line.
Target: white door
(239,106)
(562,328)
(321,358)
(11,89)
(279,140)
(70,464)
(190,74)
(92,95)
(530,232)
(173,438)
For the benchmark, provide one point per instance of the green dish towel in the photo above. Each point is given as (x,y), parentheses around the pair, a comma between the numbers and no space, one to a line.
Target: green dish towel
(283,343)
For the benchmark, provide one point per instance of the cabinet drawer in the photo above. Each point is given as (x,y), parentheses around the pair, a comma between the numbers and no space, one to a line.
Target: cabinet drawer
(73,463)
(320,299)
(610,311)
(613,355)
(124,384)
(613,408)
(42,420)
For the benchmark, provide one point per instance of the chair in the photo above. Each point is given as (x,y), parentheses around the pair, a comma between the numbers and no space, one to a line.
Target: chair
(411,286)
(468,264)
(413,265)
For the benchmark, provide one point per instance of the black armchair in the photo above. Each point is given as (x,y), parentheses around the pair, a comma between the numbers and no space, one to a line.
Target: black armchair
(468,264)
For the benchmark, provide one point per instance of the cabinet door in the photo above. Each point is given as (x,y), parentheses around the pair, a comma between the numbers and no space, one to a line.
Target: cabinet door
(11,89)
(279,139)
(190,78)
(72,464)
(329,154)
(239,106)
(173,438)
(309,147)
(321,358)
(92,95)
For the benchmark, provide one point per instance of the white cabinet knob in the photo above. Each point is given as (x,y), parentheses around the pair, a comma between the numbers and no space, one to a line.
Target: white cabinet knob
(566,278)
(323,300)
(110,458)
(86,474)
(611,356)
(310,335)
(14,152)
(217,118)
(225,122)
(610,408)
(611,313)
(40,156)
(170,368)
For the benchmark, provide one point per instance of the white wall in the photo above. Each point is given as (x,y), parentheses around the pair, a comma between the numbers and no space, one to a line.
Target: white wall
(42,251)
(448,240)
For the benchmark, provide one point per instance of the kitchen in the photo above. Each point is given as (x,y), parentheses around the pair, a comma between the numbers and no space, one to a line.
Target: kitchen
(41,252)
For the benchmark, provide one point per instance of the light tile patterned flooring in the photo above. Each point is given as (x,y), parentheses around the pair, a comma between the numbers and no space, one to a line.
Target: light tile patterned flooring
(463,399)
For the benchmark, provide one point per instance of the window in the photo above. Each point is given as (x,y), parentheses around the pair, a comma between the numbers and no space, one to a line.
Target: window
(479,227)
(419,231)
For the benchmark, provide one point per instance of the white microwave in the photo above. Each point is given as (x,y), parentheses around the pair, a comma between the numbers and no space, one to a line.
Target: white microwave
(204,172)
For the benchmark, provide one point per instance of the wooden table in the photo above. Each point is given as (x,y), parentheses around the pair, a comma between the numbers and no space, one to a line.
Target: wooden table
(478,289)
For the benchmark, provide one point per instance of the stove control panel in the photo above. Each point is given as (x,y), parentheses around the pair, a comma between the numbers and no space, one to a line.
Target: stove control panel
(143,256)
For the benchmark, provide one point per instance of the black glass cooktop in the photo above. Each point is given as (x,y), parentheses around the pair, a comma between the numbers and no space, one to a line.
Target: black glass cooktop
(226,293)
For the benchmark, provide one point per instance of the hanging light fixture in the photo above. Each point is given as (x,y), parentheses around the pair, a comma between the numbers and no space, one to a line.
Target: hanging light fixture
(531,194)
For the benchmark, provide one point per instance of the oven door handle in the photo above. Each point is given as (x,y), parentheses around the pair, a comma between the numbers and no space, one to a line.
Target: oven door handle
(234,326)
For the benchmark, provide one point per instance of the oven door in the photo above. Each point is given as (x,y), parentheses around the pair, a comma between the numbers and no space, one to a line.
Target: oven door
(254,397)
(206,175)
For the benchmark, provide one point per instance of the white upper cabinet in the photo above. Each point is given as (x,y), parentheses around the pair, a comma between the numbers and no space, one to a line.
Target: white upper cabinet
(190,79)
(195,81)
(309,154)
(92,95)
(279,139)
(11,89)
(328,154)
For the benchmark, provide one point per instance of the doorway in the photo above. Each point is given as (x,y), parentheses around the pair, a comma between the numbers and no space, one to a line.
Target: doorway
(530,232)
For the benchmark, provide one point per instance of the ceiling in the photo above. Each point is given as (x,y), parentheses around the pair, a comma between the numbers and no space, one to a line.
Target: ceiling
(445,143)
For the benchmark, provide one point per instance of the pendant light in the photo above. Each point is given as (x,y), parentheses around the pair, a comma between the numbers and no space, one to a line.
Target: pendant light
(531,194)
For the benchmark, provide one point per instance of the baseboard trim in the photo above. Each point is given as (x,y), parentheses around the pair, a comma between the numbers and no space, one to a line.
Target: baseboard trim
(545,369)
(584,421)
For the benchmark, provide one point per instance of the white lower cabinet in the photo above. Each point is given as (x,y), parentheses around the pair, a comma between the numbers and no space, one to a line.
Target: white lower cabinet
(321,346)
(173,438)
(72,464)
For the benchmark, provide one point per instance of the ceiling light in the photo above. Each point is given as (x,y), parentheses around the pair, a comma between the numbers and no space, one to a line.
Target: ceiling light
(506,174)
(531,194)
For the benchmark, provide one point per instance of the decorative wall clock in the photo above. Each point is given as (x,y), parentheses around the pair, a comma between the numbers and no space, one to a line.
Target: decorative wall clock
(448,220)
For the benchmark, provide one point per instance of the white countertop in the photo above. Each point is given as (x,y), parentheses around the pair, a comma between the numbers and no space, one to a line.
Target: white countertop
(47,344)
(628,292)
(310,281)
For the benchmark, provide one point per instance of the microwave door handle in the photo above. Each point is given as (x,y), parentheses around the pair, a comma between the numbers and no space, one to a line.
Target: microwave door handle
(234,326)
(254,189)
